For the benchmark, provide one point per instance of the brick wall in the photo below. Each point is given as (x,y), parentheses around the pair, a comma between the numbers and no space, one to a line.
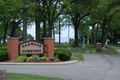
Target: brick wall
(12,48)
(49,47)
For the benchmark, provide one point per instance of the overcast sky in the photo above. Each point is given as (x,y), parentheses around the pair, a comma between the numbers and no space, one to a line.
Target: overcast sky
(64,35)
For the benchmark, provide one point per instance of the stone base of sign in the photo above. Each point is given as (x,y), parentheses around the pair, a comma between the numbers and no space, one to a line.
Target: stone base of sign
(49,47)
(12,48)
(3,74)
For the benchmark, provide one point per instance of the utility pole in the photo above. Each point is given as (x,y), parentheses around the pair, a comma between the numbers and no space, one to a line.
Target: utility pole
(0,40)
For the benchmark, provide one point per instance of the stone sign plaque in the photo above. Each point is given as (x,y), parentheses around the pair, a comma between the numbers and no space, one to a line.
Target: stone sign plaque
(31,47)
(99,47)
(2,74)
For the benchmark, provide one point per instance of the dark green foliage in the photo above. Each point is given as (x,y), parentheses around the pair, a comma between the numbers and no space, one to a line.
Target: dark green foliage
(56,58)
(3,56)
(3,53)
(51,59)
(63,54)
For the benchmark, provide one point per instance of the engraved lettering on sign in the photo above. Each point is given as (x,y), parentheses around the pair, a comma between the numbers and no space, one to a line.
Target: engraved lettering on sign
(28,44)
(34,44)
(23,46)
(31,43)
(40,46)
(31,47)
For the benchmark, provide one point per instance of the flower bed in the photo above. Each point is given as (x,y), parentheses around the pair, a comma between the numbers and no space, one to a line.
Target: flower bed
(36,58)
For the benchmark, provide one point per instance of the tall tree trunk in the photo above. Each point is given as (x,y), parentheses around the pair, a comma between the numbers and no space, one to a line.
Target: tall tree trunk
(103,36)
(59,33)
(76,35)
(24,23)
(44,20)
(37,23)
(5,32)
(103,32)
(12,32)
(115,38)
(50,29)
(53,32)
(92,41)
(96,35)
(0,40)
(44,28)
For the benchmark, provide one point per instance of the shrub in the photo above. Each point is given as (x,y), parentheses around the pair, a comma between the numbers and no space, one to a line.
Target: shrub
(3,56)
(56,58)
(33,58)
(51,59)
(3,53)
(20,59)
(44,58)
(63,54)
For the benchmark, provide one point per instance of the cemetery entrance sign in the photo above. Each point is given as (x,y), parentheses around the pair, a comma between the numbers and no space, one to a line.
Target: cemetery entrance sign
(31,47)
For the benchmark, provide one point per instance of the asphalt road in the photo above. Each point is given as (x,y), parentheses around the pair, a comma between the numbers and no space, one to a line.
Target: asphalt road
(95,67)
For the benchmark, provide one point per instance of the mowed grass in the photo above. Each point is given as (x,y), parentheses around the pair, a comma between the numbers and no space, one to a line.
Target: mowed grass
(3,48)
(16,76)
(81,58)
(89,48)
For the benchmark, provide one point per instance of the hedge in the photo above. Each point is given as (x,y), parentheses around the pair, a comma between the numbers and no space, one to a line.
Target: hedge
(63,54)
(3,53)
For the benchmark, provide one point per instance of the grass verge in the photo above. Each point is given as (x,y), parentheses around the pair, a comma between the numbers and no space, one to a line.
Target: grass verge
(29,77)
(89,48)
(80,56)
(3,52)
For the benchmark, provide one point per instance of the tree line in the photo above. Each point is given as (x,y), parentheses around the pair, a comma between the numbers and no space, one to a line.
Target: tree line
(101,15)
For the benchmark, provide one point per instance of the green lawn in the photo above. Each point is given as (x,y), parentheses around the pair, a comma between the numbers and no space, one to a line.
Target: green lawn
(78,56)
(3,49)
(29,77)
(89,48)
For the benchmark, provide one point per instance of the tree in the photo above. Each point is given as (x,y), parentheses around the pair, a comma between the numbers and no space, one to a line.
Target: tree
(1,33)
(54,10)
(24,21)
(106,11)
(79,10)
(7,18)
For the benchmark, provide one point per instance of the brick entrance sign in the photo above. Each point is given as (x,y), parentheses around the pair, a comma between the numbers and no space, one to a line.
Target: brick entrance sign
(30,47)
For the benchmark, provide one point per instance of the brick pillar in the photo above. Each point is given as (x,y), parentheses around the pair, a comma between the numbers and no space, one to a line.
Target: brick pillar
(12,48)
(49,47)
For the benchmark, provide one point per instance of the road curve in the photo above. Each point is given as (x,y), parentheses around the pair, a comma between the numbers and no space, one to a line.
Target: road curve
(94,67)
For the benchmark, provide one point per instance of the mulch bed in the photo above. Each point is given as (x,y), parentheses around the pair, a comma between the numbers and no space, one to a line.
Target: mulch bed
(33,61)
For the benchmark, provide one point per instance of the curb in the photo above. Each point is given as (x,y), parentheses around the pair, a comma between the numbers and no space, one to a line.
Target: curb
(57,63)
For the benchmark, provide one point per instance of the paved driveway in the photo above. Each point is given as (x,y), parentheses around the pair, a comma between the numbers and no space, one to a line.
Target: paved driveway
(95,67)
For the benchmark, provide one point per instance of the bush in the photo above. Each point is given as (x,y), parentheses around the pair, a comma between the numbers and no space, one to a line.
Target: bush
(63,54)
(36,58)
(21,58)
(3,53)
(3,56)
(56,58)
